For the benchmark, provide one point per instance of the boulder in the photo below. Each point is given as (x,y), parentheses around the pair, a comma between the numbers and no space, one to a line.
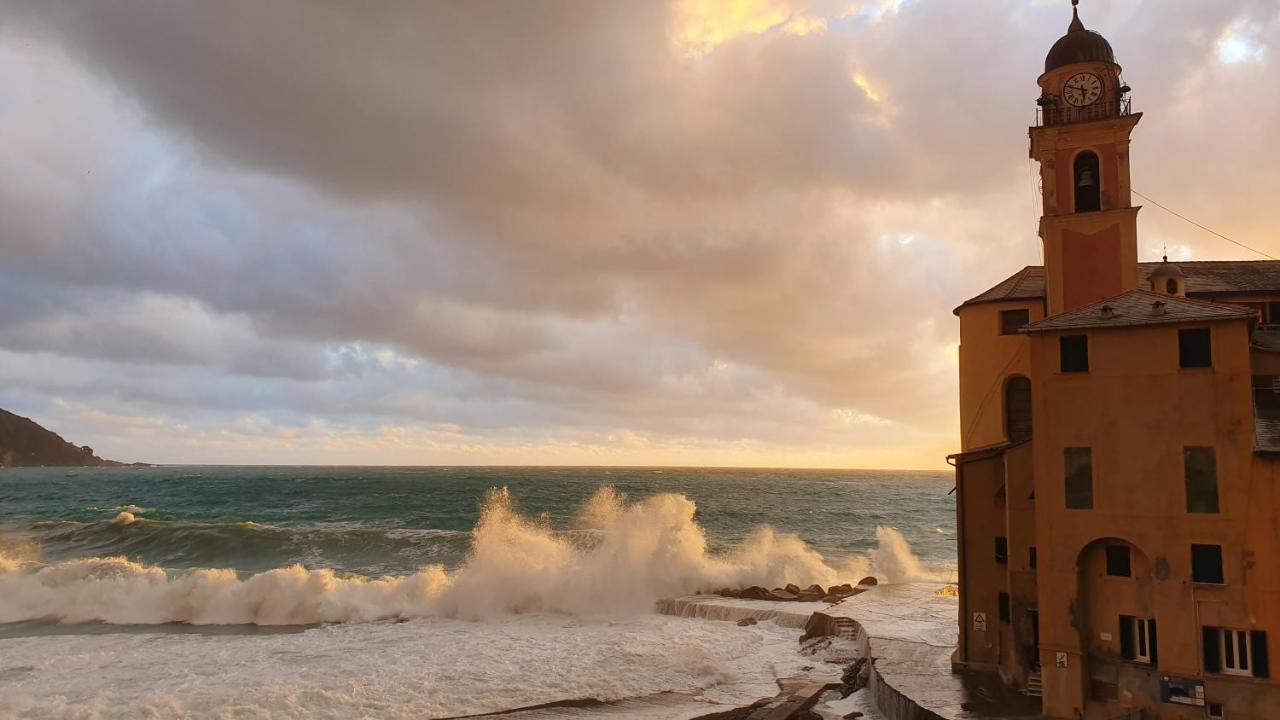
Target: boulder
(868,582)
(782,595)
(755,592)
(792,588)
(845,589)
(745,622)
(830,599)
(807,596)
(727,592)
(815,589)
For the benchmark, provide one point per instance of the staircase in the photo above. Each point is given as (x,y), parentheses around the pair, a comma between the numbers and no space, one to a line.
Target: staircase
(1034,686)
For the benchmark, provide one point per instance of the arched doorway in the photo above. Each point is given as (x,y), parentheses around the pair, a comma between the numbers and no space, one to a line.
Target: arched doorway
(1115,616)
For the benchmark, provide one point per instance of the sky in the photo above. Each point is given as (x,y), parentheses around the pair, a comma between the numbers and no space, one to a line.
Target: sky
(687,232)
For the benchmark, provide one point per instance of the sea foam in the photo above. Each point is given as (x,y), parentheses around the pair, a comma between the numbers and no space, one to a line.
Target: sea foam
(641,552)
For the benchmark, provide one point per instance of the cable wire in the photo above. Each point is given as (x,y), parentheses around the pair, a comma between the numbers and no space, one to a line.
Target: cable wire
(1211,231)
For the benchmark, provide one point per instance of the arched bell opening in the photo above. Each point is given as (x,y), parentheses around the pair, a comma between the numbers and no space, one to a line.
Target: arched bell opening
(1087,182)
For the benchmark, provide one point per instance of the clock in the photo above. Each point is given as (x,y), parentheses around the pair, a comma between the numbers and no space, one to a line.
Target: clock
(1082,89)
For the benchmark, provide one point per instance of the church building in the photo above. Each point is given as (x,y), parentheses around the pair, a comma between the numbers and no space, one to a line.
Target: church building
(1118,480)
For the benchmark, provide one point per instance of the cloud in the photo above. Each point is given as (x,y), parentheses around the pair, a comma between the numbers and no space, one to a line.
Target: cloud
(697,223)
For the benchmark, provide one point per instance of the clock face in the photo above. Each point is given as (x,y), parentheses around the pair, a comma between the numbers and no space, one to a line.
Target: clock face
(1082,89)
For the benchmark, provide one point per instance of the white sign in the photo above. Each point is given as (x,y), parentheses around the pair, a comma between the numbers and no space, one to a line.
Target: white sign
(1060,659)
(980,622)
(1106,637)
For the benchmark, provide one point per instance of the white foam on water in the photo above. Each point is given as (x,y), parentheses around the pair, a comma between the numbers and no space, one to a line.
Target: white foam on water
(641,552)
(427,668)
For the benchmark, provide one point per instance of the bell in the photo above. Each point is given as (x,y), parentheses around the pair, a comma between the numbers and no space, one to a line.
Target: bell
(1086,179)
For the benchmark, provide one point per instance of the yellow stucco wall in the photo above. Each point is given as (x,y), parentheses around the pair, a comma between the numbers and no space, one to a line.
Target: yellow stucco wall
(987,360)
(1137,410)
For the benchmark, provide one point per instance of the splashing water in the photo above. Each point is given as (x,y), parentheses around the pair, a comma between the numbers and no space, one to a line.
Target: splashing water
(634,554)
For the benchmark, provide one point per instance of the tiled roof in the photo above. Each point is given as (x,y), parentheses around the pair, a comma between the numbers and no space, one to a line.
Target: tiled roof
(1141,307)
(1207,278)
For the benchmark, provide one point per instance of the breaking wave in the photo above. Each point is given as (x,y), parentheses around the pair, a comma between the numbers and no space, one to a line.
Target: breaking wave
(624,557)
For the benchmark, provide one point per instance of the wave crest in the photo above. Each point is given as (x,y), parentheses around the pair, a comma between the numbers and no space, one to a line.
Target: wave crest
(638,553)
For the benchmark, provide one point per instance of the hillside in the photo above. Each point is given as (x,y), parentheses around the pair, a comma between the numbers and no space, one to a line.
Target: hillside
(23,443)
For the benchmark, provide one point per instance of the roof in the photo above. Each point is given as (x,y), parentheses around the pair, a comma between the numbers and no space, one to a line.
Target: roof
(1078,46)
(1214,278)
(1140,307)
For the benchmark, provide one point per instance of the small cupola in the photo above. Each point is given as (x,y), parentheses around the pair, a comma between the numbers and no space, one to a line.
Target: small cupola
(1167,279)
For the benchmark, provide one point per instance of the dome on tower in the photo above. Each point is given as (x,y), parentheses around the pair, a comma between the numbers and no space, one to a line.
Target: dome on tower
(1079,46)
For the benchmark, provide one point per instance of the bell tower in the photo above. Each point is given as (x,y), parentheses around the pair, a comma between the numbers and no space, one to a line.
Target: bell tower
(1089,225)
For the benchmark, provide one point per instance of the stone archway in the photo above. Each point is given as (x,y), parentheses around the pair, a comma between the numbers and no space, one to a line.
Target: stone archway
(1115,615)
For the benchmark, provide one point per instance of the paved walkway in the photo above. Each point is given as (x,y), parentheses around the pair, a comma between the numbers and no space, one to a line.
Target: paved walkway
(910,630)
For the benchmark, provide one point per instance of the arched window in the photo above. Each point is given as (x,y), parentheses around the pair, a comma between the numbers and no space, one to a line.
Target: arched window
(1171,286)
(1088,184)
(1017,409)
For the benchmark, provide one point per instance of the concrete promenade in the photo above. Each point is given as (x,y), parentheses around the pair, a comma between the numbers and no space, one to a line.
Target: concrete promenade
(908,631)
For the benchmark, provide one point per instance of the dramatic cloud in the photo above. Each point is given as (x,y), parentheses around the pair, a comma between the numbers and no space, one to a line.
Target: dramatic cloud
(703,231)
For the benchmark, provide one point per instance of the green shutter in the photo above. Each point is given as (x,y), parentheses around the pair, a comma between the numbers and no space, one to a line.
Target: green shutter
(1261,668)
(1151,642)
(1126,636)
(1212,658)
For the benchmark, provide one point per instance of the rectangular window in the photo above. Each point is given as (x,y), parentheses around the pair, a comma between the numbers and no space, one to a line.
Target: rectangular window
(1033,557)
(1005,612)
(1118,564)
(1195,349)
(1002,550)
(1206,564)
(1201,468)
(1074,353)
(1236,652)
(1011,321)
(1138,639)
(1079,478)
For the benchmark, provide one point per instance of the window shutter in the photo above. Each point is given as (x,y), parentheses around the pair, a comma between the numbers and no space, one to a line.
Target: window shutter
(1151,642)
(1126,637)
(1261,669)
(1212,657)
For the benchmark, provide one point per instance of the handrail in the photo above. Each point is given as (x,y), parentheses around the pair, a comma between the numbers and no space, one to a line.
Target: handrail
(1050,116)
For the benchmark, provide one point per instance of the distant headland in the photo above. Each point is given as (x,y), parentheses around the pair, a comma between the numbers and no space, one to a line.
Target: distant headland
(24,443)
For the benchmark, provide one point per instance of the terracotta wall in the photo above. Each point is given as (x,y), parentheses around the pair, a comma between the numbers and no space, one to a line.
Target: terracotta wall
(987,359)
(1137,411)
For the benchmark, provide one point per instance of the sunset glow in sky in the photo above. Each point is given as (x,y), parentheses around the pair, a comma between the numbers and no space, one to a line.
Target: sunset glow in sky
(698,232)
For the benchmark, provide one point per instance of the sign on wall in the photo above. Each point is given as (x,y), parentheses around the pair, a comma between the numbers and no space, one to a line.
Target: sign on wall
(980,622)
(1060,659)
(1182,691)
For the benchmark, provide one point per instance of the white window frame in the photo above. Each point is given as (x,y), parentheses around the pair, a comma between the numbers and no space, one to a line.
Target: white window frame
(1139,630)
(1241,647)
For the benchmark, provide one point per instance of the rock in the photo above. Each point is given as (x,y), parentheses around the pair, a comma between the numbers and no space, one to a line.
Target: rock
(854,715)
(868,582)
(747,622)
(755,592)
(783,595)
(830,599)
(815,589)
(845,589)
(727,592)
(792,588)
(807,596)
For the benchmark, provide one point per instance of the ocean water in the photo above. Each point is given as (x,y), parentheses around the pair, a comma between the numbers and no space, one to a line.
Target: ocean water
(423,592)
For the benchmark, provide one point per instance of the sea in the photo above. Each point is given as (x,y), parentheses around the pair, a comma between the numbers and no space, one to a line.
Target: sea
(434,592)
